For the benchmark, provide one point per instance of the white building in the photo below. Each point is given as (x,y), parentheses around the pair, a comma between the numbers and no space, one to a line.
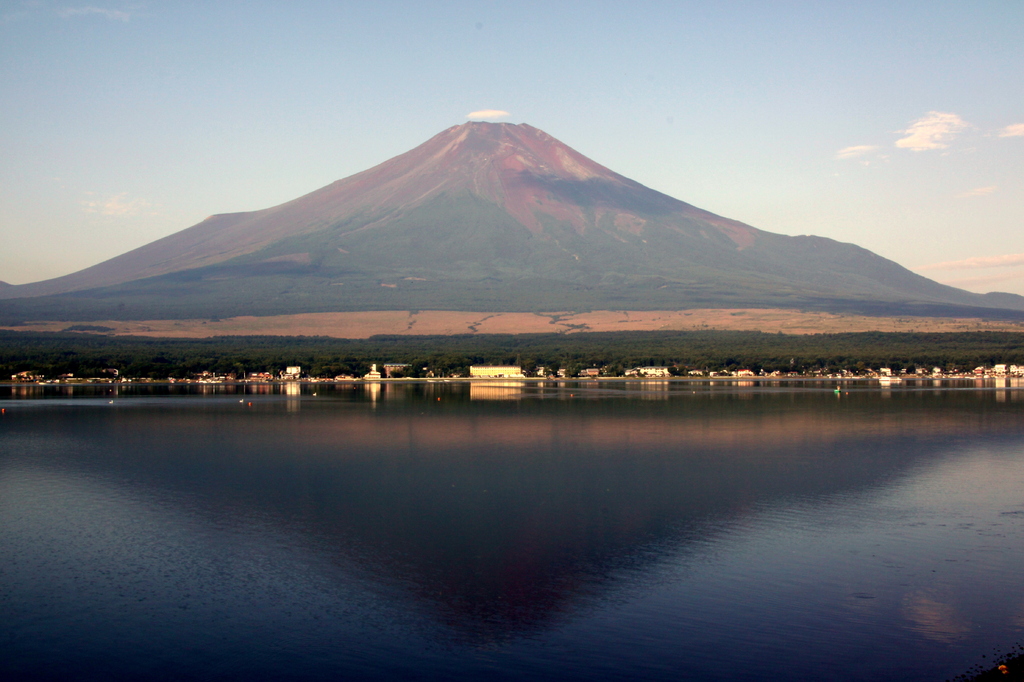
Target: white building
(648,372)
(496,372)
(392,368)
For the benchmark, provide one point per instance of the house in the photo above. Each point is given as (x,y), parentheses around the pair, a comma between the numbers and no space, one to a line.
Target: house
(291,373)
(373,374)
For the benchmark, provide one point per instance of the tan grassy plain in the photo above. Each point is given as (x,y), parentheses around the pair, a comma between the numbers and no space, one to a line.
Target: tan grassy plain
(361,325)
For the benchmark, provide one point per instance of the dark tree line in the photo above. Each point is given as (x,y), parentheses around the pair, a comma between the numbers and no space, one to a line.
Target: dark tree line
(87,355)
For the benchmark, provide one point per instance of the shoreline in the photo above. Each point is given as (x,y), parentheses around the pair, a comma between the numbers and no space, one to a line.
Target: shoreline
(1017,380)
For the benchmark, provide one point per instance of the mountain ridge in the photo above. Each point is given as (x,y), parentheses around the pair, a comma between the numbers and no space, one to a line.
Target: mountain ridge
(486,216)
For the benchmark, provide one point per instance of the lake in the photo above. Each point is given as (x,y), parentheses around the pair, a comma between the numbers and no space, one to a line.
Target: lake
(510,531)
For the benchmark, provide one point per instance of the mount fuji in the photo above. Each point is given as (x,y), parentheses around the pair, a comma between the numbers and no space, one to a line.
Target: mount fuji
(487,217)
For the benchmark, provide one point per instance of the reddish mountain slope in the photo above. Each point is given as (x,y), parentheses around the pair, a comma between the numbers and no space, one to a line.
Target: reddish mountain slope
(485,217)
(514,166)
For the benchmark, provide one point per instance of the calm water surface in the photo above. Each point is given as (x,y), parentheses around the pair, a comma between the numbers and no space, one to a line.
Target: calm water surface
(655,531)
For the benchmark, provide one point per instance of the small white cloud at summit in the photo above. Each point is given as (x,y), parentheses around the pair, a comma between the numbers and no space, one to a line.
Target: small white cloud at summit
(118,205)
(1015,130)
(932,131)
(487,114)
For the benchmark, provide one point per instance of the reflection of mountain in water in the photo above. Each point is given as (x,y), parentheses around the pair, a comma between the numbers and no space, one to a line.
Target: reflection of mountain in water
(499,517)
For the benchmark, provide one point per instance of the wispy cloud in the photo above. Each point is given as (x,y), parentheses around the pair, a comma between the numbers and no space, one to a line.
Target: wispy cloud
(1007,260)
(856,151)
(9,16)
(932,131)
(488,114)
(112,14)
(979,282)
(1015,130)
(977,192)
(119,205)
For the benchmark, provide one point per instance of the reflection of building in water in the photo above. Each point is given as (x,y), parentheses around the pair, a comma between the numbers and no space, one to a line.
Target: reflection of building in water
(373,389)
(293,391)
(1005,384)
(654,390)
(648,390)
(496,371)
(497,390)
(26,391)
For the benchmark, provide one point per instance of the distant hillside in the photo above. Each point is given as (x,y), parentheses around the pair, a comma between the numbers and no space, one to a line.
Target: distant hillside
(487,216)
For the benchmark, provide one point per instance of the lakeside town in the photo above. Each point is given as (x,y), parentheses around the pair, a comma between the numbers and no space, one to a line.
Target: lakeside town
(401,372)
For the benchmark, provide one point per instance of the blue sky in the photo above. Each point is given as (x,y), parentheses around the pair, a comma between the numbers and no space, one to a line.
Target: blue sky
(898,127)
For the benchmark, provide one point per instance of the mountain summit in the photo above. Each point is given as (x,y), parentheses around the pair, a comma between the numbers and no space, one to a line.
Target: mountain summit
(485,216)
